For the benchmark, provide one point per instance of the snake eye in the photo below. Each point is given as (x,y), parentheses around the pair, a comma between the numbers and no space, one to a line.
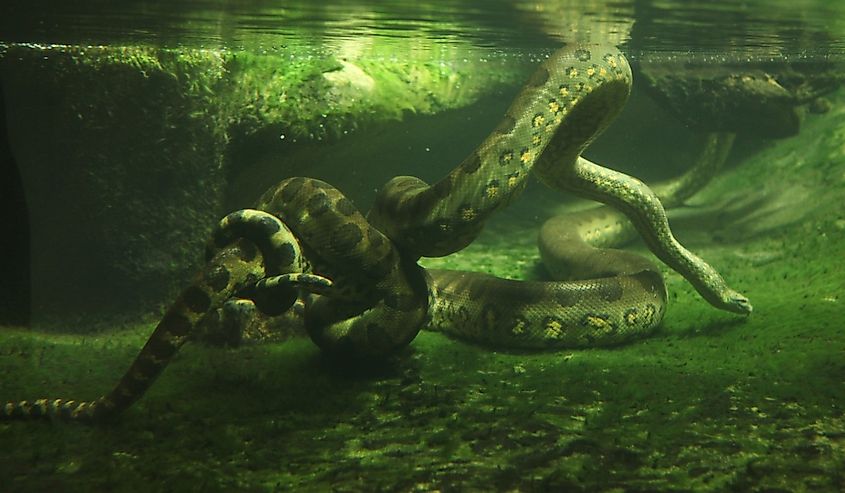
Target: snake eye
(738,303)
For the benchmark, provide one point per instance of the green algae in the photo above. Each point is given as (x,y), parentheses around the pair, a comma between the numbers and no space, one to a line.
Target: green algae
(711,402)
(318,98)
(120,122)
(310,96)
(143,143)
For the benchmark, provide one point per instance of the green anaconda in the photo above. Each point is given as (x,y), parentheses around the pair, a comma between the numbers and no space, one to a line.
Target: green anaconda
(366,295)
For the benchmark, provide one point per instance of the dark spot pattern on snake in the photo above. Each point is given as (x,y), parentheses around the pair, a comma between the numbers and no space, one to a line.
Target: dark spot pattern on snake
(345,207)
(247,251)
(471,164)
(218,278)
(196,300)
(177,324)
(318,204)
(292,189)
(540,77)
(346,237)
(443,188)
(506,126)
(611,291)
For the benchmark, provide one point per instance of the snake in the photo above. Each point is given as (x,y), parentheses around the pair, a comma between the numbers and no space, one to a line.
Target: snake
(365,294)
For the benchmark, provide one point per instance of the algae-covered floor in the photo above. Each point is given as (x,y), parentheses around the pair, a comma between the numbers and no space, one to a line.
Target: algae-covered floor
(711,402)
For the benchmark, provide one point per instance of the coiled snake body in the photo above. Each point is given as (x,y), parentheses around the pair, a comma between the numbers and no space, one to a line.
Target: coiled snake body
(364,292)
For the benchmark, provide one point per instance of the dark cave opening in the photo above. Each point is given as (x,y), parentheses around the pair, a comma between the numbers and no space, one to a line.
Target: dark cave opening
(15,288)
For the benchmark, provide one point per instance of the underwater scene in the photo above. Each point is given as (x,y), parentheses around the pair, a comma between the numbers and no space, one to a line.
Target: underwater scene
(430,246)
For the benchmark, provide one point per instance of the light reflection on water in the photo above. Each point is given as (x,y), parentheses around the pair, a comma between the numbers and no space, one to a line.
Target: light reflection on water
(757,29)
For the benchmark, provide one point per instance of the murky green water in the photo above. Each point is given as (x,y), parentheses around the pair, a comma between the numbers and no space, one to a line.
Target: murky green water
(130,130)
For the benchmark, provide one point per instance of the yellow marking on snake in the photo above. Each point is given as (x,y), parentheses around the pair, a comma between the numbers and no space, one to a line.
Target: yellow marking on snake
(526,157)
(553,329)
(492,191)
(598,323)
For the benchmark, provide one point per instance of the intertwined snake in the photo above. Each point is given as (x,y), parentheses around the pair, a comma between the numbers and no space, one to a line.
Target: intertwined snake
(366,295)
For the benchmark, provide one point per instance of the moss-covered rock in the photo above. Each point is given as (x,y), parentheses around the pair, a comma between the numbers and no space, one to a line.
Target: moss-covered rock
(126,153)
(121,158)
(760,100)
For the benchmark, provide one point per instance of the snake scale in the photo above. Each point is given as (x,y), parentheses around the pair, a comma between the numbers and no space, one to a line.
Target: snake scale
(364,292)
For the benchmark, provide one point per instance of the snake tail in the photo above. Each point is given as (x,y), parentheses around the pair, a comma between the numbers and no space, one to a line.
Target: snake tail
(231,269)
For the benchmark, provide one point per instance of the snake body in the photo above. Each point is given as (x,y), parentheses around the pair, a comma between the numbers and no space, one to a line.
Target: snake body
(366,295)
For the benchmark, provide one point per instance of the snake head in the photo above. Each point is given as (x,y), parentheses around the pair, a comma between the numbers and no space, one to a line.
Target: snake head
(736,303)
